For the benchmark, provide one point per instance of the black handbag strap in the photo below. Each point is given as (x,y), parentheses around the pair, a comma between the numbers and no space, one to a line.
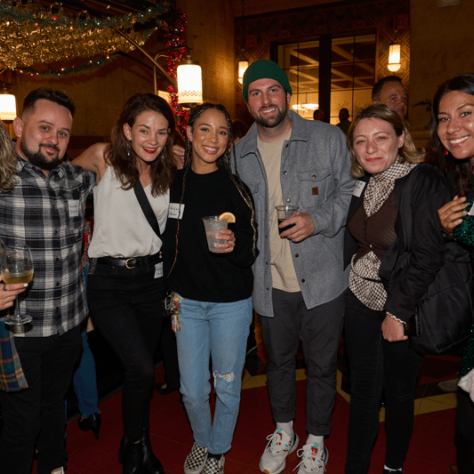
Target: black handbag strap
(146,207)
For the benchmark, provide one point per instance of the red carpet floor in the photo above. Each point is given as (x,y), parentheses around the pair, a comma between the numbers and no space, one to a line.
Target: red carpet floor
(431,450)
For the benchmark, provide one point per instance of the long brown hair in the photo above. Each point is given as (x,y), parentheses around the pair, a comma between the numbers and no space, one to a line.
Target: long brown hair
(7,161)
(121,156)
(462,169)
(380,111)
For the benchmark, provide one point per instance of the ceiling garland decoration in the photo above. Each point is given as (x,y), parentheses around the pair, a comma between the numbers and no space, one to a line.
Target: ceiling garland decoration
(31,34)
(69,70)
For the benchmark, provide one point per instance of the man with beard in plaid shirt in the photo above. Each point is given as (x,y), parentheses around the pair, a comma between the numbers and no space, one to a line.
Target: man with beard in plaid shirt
(45,211)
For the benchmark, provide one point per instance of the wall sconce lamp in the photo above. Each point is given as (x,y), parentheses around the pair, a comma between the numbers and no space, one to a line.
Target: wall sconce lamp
(7,104)
(243,62)
(394,57)
(243,65)
(394,50)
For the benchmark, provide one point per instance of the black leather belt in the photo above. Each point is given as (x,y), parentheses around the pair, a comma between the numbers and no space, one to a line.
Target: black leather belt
(132,262)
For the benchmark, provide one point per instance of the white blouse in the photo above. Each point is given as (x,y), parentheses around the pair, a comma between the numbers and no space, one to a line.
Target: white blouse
(120,227)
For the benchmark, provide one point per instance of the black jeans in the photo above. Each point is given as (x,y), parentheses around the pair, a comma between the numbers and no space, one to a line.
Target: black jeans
(126,307)
(376,364)
(320,330)
(464,437)
(36,414)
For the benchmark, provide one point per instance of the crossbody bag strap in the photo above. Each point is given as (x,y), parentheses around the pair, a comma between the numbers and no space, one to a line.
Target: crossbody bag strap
(146,207)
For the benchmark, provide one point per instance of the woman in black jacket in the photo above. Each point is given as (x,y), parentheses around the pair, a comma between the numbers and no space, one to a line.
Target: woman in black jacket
(395,248)
(452,149)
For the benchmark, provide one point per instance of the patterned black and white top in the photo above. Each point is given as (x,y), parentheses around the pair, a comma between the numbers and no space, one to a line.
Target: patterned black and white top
(364,279)
(46,213)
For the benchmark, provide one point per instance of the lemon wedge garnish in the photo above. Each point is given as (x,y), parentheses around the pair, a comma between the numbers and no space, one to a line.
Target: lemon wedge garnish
(228,216)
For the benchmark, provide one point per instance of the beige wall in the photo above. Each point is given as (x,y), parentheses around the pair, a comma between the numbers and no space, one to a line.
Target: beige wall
(441,47)
(210,34)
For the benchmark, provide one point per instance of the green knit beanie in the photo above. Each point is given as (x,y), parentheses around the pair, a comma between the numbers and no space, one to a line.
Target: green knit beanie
(264,69)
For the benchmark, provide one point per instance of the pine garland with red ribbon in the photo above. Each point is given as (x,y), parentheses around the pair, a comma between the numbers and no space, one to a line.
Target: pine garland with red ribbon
(176,38)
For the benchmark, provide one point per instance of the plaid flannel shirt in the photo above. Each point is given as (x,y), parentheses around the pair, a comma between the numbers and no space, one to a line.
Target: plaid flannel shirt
(12,378)
(47,214)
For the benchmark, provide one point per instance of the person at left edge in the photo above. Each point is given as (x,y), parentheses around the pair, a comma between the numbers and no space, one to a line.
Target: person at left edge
(45,211)
(125,287)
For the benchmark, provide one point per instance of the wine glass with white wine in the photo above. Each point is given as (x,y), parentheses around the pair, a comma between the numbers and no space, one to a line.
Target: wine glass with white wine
(17,267)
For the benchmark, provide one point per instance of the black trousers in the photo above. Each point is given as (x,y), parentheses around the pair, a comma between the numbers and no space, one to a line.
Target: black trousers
(319,329)
(36,414)
(376,364)
(464,437)
(126,307)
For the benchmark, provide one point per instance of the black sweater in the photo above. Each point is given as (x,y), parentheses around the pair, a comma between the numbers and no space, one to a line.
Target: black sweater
(199,274)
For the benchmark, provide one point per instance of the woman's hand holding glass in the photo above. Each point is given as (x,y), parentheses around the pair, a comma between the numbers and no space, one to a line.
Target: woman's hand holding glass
(17,269)
(229,237)
(9,293)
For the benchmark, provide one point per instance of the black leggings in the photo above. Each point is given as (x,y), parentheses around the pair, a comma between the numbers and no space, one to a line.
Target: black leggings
(464,436)
(126,307)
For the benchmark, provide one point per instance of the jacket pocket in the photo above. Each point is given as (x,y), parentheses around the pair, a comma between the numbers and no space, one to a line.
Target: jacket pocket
(313,186)
(253,187)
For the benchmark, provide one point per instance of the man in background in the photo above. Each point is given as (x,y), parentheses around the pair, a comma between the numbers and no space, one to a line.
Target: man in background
(390,91)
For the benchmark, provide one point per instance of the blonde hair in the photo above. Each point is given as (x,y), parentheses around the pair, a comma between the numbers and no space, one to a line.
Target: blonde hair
(7,161)
(407,152)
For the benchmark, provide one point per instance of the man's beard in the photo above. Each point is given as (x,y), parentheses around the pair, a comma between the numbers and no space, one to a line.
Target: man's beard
(273,121)
(38,159)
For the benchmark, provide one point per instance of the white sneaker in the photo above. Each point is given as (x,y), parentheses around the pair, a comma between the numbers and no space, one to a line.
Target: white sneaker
(273,460)
(313,460)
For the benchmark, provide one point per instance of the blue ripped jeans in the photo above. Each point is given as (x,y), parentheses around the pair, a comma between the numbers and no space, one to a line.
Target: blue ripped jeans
(220,331)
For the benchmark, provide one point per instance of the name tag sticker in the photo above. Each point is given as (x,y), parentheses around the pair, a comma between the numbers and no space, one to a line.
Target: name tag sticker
(315,191)
(176,210)
(159,270)
(358,188)
(471,211)
(73,208)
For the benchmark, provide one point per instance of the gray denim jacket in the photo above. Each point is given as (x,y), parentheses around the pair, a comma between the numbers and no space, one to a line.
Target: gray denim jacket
(315,175)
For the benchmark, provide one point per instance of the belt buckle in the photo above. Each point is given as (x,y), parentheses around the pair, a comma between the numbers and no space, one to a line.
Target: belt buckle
(126,263)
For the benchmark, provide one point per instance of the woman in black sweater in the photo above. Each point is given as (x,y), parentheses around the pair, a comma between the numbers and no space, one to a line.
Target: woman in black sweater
(211,290)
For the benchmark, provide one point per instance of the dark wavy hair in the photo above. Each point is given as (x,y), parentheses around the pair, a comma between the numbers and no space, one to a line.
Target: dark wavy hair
(380,111)
(461,169)
(123,159)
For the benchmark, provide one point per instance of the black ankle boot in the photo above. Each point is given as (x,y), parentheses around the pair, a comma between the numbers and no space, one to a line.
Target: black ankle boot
(151,464)
(92,422)
(130,455)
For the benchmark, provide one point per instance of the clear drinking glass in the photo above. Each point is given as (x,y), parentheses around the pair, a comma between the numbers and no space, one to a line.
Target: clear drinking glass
(283,212)
(17,267)
(213,225)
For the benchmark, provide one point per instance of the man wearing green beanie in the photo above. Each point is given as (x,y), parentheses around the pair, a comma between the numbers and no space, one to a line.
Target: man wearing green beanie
(299,281)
